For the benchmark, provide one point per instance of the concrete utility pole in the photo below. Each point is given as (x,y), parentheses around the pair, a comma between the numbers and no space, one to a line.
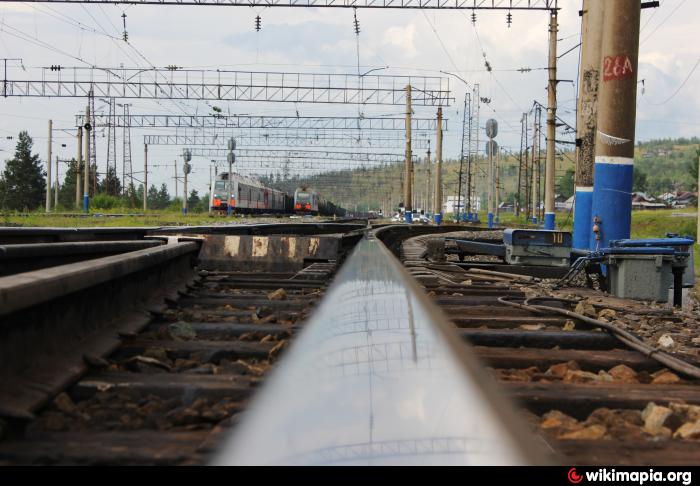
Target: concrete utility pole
(438,169)
(55,192)
(586,118)
(408,185)
(491,145)
(86,180)
(697,238)
(428,192)
(145,177)
(175,178)
(48,170)
(79,160)
(550,168)
(617,109)
(535,167)
(497,201)
(187,156)
(231,158)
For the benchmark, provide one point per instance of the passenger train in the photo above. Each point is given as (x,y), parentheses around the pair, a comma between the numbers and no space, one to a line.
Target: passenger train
(306,200)
(248,195)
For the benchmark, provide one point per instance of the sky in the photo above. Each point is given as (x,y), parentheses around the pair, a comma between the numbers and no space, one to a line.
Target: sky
(317,40)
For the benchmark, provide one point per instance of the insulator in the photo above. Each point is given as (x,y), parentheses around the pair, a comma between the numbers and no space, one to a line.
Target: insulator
(509,19)
(473,17)
(356,22)
(258,23)
(125,36)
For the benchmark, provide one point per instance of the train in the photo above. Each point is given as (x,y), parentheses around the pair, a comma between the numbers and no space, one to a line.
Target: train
(248,195)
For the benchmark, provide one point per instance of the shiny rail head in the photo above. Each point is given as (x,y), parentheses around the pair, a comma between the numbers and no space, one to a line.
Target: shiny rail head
(377,378)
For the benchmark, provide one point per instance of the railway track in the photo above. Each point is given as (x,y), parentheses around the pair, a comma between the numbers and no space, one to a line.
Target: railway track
(162,378)
(146,347)
(166,393)
(593,399)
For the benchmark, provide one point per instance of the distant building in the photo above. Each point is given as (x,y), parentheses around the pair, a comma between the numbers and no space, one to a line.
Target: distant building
(450,205)
(563,204)
(641,200)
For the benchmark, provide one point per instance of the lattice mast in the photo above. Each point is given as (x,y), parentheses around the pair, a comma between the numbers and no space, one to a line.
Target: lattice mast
(127,168)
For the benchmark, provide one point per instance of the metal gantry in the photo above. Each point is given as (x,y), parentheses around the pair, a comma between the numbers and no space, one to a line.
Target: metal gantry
(507,5)
(221,85)
(265,122)
(298,155)
(309,139)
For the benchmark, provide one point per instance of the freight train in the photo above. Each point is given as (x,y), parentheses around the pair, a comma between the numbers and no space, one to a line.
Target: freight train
(248,195)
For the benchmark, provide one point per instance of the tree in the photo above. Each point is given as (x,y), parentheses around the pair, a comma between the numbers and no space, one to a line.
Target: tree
(639,181)
(193,200)
(163,197)
(153,199)
(110,184)
(23,185)
(132,198)
(693,169)
(66,194)
(566,184)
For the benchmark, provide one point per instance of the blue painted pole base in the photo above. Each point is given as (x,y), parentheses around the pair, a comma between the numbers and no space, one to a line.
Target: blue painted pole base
(408,217)
(490,218)
(583,220)
(534,220)
(438,219)
(465,218)
(86,203)
(549,221)
(184,210)
(612,199)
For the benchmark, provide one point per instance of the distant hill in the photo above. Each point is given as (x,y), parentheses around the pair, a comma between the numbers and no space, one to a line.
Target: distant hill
(660,166)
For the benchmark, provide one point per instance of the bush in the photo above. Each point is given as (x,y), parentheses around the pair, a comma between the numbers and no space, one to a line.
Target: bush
(105,201)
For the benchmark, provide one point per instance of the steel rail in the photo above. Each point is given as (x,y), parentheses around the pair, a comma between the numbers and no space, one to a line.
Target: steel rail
(28,289)
(429,402)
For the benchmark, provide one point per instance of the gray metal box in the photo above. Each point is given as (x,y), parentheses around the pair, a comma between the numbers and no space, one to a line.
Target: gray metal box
(642,277)
(537,247)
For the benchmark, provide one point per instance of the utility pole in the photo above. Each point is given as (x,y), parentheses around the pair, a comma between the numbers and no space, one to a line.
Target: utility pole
(231,157)
(145,177)
(408,189)
(428,197)
(491,147)
(473,138)
(79,164)
(187,156)
(48,170)
(550,167)
(55,192)
(535,165)
(86,181)
(175,178)
(617,109)
(465,129)
(438,169)
(586,118)
(497,201)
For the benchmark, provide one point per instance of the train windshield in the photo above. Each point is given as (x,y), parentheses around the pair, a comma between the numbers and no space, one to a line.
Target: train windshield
(302,195)
(220,185)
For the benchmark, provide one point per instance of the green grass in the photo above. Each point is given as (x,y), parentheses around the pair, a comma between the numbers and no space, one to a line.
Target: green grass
(108,219)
